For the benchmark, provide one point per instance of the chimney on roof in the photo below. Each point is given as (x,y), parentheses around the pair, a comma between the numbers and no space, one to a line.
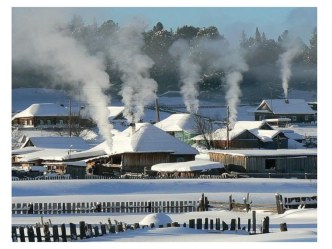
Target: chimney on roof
(133,127)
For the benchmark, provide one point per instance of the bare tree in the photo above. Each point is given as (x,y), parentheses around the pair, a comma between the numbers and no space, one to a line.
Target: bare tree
(204,127)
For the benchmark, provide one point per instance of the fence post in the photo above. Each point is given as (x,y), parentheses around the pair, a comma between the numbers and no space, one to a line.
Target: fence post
(230,199)
(206,224)
(55,233)
(22,236)
(238,223)
(283,227)
(38,233)
(279,203)
(63,233)
(47,233)
(199,223)
(95,228)
(254,221)
(224,226)
(249,225)
(218,224)
(265,226)
(73,234)
(192,223)
(233,224)
(103,229)
(82,230)
(14,234)
(211,224)
(31,234)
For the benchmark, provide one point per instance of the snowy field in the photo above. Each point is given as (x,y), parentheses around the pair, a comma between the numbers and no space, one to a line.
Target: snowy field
(302,223)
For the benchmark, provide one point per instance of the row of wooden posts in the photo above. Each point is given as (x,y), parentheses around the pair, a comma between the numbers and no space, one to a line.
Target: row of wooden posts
(47,232)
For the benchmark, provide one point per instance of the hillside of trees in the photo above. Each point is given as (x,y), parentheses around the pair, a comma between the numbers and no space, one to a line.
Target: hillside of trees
(261,53)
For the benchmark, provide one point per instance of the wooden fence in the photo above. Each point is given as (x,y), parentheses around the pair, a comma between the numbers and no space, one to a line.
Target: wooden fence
(48,232)
(300,202)
(113,207)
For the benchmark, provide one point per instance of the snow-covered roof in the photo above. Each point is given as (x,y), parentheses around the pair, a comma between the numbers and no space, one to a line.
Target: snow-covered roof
(240,125)
(25,150)
(197,165)
(262,152)
(265,135)
(115,111)
(42,109)
(148,138)
(177,122)
(292,106)
(61,142)
(46,154)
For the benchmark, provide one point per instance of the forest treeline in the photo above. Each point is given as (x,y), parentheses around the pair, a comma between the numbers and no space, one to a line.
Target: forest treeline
(261,53)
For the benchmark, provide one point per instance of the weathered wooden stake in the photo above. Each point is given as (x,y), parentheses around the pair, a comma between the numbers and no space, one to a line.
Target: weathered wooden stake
(249,225)
(238,223)
(192,223)
(283,227)
(103,229)
(14,234)
(47,233)
(31,234)
(266,224)
(73,234)
(233,224)
(63,233)
(82,230)
(206,224)
(254,221)
(22,235)
(56,233)
(199,223)
(218,224)
(96,230)
(224,226)
(230,198)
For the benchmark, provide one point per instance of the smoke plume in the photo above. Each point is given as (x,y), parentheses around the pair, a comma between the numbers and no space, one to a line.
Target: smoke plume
(189,74)
(232,62)
(41,39)
(292,49)
(138,88)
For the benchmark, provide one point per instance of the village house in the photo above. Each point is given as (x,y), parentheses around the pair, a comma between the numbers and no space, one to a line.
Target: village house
(297,110)
(50,115)
(180,125)
(267,161)
(246,134)
(139,147)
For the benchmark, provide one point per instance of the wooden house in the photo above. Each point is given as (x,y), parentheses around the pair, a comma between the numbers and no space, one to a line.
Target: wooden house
(247,134)
(139,147)
(298,110)
(180,125)
(49,115)
(265,161)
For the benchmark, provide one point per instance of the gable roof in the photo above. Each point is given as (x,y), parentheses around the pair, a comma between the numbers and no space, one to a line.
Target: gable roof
(177,122)
(281,106)
(42,109)
(145,137)
(61,142)
(249,125)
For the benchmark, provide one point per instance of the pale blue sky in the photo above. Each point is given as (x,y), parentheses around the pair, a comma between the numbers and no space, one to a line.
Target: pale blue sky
(229,20)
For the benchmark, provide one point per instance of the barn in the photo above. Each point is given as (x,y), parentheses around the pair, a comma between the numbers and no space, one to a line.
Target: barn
(267,161)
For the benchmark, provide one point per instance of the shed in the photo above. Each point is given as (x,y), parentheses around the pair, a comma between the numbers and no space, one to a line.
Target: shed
(265,161)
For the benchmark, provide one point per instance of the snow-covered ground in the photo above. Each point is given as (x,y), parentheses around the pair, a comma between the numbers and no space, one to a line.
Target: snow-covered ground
(301,223)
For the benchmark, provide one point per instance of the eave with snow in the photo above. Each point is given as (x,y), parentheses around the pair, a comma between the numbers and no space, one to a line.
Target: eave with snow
(298,110)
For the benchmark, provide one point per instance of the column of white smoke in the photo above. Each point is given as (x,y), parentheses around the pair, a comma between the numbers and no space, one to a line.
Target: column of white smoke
(233,94)
(138,88)
(37,39)
(292,49)
(189,74)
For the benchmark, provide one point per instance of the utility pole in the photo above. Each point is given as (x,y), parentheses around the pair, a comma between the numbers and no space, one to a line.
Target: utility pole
(69,119)
(227,127)
(157,109)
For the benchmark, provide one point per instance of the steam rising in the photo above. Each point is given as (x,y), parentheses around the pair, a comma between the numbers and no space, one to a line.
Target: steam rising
(292,49)
(189,74)
(232,61)
(40,40)
(138,88)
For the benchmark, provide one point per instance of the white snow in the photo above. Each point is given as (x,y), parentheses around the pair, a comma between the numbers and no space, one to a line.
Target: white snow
(197,165)
(177,122)
(294,106)
(157,219)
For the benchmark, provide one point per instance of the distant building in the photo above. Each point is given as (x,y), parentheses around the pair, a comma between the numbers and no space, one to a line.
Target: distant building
(298,110)
(49,115)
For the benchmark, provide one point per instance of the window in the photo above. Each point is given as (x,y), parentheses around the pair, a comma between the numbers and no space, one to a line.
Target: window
(306,117)
(61,121)
(179,159)
(48,122)
(41,122)
(261,117)
(294,118)
(270,164)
